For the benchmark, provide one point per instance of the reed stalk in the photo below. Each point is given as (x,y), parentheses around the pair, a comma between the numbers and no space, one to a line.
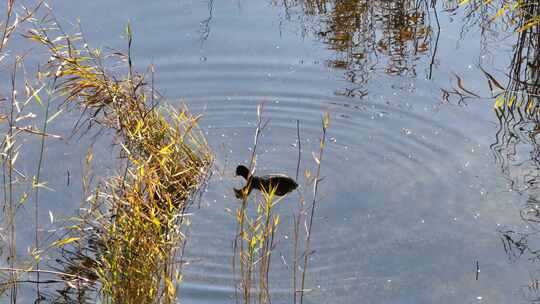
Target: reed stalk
(256,232)
(131,232)
(307,245)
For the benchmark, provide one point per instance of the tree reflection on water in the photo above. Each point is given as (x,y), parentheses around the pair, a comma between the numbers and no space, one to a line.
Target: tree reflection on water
(366,35)
(393,37)
(516,146)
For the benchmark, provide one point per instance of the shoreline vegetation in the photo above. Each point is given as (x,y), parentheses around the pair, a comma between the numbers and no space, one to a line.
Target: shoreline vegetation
(126,245)
(131,234)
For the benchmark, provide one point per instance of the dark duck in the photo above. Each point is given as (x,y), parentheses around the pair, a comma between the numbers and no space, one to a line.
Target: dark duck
(282,183)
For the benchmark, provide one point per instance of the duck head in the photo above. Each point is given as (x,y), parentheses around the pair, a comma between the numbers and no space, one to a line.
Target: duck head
(242,171)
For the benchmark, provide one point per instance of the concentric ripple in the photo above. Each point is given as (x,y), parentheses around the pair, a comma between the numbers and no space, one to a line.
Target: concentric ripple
(409,200)
(400,200)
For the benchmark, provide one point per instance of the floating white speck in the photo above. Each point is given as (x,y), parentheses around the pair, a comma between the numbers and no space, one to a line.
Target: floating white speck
(479,298)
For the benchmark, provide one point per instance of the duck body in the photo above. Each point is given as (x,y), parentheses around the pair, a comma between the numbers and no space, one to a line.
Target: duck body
(282,183)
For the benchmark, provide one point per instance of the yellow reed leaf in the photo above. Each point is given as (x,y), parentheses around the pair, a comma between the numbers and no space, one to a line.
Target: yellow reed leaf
(167,149)
(326,120)
(276,220)
(55,115)
(499,102)
(511,101)
(501,12)
(140,124)
(65,241)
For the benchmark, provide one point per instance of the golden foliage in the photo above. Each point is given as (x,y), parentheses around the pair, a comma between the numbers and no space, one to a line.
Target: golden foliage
(133,224)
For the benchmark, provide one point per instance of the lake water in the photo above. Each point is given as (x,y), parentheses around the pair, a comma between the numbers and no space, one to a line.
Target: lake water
(413,194)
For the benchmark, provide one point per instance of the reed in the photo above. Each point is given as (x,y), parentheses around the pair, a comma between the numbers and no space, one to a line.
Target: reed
(257,229)
(130,235)
(15,126)
(307,245)
(252,246)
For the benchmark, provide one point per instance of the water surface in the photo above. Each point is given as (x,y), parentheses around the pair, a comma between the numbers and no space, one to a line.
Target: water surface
(412,195)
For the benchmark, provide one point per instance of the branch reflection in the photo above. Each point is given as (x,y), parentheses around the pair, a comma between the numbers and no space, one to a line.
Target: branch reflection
(370,36)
